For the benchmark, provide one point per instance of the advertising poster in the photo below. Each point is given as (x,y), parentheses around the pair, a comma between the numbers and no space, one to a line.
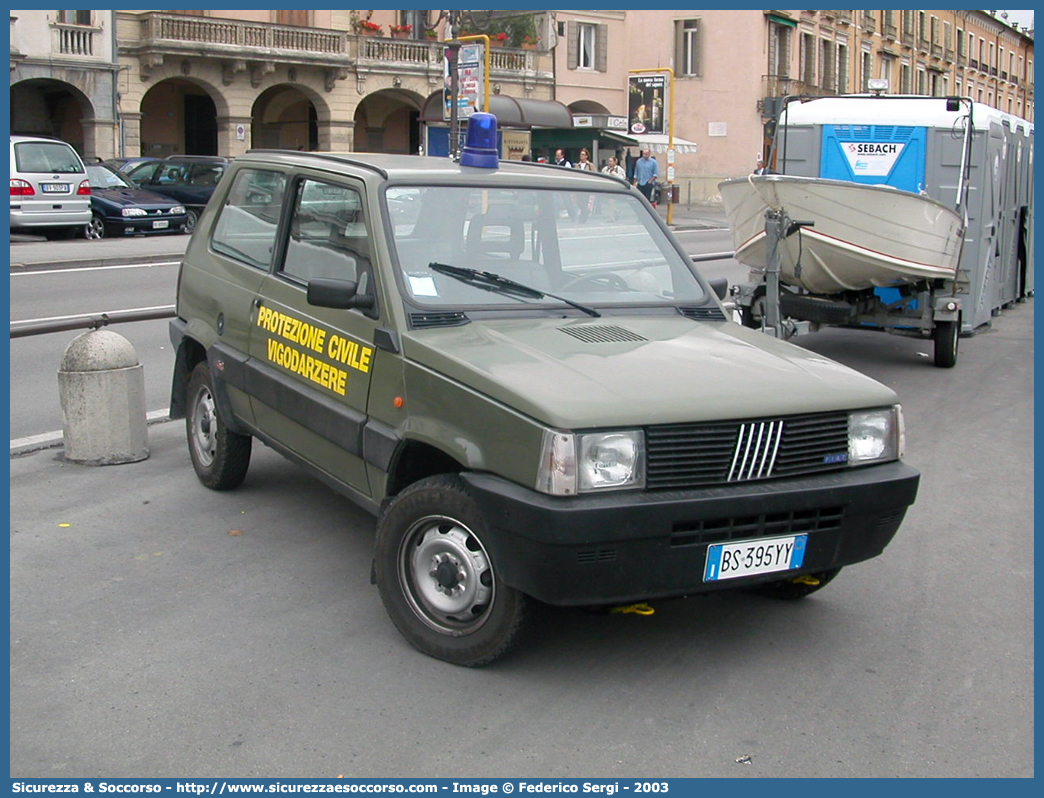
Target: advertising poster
(470,82)
(645,111)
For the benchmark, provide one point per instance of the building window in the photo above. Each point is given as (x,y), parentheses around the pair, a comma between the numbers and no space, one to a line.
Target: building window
(779,51)
(867,70)
(922,82)
(74,17)
(687,38)
(886,70)
(827,65)
(905,81)
(961,54)
(297,17)
(808,59)
(587,45)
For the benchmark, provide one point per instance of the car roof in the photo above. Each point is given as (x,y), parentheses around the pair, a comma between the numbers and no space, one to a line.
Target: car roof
(431,169)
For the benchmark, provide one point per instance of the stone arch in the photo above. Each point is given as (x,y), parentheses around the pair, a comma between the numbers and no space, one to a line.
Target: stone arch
(587,107)
(387,120)
(178,114)
(48,107)
(287,116)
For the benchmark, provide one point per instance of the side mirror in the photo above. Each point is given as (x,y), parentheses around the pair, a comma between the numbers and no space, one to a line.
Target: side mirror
(720,286)
(325,292)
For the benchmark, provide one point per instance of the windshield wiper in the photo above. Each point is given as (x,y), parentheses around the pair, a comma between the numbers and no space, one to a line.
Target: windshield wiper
(494,282)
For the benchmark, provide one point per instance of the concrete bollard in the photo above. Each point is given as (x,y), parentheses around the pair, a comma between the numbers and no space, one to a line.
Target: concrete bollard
(102,391)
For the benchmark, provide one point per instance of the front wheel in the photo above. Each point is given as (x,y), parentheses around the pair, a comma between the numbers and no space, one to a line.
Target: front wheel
(437,580)
(191,217)
(220,456)
(95,229)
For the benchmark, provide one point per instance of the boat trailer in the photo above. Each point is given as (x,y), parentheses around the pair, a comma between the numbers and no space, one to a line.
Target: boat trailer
(930,308)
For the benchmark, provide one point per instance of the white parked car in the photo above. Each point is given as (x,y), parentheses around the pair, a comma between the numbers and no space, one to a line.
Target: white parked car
(50,192)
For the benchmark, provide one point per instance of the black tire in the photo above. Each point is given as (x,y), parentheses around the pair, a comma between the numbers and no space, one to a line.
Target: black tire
(797,587)
(191,218)
(945,335)
(436,579)
(220,457)
(63,233)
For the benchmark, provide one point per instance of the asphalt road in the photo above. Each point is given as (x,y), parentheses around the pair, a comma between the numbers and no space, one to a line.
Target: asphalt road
(161,629)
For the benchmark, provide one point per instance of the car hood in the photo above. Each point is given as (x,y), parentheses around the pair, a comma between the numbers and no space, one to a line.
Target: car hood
(635,371)
(122,197)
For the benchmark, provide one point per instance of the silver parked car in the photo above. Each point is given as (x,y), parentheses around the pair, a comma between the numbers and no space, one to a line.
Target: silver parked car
(50,192)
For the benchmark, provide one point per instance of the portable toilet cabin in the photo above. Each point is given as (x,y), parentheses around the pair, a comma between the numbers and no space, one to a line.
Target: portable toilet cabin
(918,144)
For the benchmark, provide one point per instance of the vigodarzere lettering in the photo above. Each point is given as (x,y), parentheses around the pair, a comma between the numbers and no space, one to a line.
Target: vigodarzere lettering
(337,348)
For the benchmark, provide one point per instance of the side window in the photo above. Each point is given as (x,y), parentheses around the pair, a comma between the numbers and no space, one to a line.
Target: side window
(328,235)
(144,173)
(247,222)
(170,174)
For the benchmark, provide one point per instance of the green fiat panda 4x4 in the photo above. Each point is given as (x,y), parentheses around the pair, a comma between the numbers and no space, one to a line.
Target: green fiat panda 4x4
(534,406)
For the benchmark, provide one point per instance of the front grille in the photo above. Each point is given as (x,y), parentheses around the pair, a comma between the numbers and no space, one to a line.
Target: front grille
(687,455)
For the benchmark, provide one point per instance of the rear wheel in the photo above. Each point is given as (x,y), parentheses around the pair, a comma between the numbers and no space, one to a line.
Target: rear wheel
(220,457)
(796,587)
(437,580)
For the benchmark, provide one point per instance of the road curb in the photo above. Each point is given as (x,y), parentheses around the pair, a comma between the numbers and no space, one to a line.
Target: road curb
(55,439)
(94,262)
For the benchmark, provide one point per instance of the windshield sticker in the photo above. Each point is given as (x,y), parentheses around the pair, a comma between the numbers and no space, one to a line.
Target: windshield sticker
(312,338)
(422,285)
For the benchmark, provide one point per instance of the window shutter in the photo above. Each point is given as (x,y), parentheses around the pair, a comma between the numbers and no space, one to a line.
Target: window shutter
(697,51)
(602,48)
(573,40)
(679,51)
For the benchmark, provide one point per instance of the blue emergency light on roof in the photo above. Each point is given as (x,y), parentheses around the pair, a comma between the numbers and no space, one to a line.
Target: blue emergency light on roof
(480,144)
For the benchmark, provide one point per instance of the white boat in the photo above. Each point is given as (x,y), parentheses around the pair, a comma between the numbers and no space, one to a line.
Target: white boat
(862,236)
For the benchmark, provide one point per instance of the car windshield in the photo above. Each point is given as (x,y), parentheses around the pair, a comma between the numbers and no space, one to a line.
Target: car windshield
(104,177)
(594,248)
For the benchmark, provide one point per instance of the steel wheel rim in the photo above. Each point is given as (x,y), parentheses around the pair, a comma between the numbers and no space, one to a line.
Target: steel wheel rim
(446,576)
(204,427)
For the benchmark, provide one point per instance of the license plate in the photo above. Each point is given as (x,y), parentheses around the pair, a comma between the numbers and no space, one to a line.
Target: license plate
(55,188)
(159,224)
(750,557)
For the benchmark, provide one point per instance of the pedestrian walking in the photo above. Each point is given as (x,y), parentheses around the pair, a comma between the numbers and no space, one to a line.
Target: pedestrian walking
(561,160)
(585,161)
(646,170)
(613,168)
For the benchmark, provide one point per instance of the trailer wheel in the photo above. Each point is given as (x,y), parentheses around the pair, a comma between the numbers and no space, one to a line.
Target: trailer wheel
(753,315)
(945,336)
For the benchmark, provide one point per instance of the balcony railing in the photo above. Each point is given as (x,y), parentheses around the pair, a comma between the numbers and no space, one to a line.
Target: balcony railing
(888,31)
(175,28)
(74,39)
(425,53)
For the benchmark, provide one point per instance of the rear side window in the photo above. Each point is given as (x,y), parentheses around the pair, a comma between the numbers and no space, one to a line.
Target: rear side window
(46,156)
(328,235)
(248,219)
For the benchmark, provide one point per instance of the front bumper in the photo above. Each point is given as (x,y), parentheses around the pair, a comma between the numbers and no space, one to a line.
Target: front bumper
(144,225)
(629,546)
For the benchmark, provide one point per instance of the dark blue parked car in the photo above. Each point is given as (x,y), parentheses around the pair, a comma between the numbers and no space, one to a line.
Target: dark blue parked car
(120,208)
(189,179)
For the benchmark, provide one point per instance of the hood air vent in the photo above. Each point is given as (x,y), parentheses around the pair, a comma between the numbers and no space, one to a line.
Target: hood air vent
(602,334)
(705,313)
